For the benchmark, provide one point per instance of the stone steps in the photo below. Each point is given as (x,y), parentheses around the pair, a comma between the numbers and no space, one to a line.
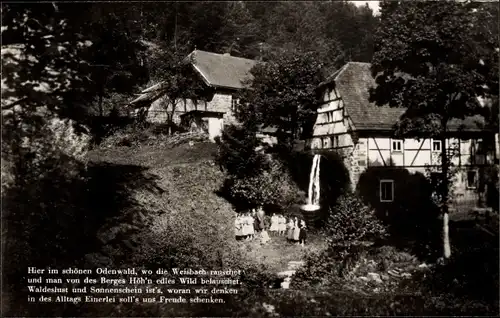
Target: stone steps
(291,270)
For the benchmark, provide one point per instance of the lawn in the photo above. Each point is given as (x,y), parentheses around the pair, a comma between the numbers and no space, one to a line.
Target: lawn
(279,252)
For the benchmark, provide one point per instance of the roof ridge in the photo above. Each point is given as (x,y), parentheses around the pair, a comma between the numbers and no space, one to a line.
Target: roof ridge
(223,55)
(340,71)
(355,62)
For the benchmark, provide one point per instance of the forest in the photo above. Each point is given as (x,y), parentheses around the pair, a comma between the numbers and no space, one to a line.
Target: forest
(136,43)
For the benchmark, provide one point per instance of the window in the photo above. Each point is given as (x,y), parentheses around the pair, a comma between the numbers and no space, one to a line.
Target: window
(397,145)
(436,145)
(386,190)
(234,102)
(332,141)
(325,142)
(471,179)
(337,141)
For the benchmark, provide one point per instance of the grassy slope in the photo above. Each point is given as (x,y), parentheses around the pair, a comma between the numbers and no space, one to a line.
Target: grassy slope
(189,179)
(187,172)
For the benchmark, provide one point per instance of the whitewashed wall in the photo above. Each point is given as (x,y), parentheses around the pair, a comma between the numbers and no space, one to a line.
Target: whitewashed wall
(221,102)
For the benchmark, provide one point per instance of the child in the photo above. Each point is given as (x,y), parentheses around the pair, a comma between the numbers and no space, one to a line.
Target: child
(281,225)
(251,226)
(264,237)
(248,226)
(237,227)
(303,233)
(289,228)
(274,224)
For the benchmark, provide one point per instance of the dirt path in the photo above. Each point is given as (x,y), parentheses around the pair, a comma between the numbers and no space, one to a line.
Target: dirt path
(278,253)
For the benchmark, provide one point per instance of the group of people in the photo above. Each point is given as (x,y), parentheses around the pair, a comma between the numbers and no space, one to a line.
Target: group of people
(296,231)
(250,224)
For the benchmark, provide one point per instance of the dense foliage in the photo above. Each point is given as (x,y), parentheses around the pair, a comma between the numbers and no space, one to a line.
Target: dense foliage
(283,95)
(435,59)
(237,152)
(351,222)
(273,187)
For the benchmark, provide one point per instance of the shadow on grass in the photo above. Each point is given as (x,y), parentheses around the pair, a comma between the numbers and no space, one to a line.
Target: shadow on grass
(53,219)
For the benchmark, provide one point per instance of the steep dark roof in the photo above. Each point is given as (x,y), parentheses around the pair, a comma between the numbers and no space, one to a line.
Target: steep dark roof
(222,70)
(353,82)
(216,70)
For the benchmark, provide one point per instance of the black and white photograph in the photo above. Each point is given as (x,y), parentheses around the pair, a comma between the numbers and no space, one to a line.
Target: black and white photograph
(250,158)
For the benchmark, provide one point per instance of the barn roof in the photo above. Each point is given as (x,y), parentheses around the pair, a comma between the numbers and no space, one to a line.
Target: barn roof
(353,82)
(222,70)
(216,70)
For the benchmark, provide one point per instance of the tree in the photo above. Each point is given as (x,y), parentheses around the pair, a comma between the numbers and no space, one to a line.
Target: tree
(353,28)
(427,59)
(116,58)
(283,94)
(237,152)
(178,81)
(40,62)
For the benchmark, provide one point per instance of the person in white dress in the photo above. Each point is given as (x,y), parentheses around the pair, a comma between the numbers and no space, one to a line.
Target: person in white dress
(237,227)
(281,224)
(289,229)
(264,237)
(274,224)
(246,227)
(296,230)
(251,228)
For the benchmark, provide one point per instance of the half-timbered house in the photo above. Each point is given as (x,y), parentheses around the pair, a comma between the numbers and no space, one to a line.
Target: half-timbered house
(224,75)
(363,133)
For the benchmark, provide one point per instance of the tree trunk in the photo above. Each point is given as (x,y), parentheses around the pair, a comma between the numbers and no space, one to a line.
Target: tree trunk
(101,111)
(171,117)
(444,195)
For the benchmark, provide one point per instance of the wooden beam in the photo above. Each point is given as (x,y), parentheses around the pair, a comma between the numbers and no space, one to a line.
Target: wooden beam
(331,135)
(380,152)
(418,151)
(368,152)
(327,101)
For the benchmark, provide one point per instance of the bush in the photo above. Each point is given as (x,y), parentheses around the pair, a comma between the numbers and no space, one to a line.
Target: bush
(43,166)
(237,152)
(273,187)
(351,222)
(329,267)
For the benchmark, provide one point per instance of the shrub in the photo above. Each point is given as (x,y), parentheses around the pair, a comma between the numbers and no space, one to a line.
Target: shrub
(329,267)
(43,168)
(272,187)
(388,257)
(350,222)
(237,152)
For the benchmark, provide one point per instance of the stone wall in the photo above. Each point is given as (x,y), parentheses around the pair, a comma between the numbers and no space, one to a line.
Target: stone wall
(355,160)
(160,109)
